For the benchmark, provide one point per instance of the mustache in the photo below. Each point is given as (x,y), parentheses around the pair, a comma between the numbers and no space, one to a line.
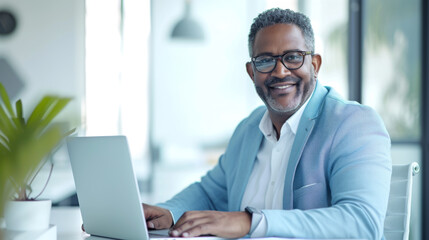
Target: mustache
(273,80)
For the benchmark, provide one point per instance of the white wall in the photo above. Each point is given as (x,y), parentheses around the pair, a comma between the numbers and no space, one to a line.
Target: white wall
(47,51)
(200,90)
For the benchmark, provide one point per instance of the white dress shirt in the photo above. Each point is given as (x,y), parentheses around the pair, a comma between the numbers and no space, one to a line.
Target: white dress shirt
(266,183)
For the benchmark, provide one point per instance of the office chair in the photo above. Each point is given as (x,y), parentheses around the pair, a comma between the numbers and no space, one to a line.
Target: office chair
(397,222)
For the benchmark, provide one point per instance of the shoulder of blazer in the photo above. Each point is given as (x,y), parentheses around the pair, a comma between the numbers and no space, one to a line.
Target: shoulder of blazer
(325,96)
(317,101)
(254,118)
(247,127)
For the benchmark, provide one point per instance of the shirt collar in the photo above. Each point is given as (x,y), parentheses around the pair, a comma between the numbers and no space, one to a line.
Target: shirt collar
(267,128)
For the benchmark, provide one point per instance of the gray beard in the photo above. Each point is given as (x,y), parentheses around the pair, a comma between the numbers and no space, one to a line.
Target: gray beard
(273,105)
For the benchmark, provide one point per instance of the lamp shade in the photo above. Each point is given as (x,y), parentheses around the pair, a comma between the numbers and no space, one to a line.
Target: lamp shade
(187,28)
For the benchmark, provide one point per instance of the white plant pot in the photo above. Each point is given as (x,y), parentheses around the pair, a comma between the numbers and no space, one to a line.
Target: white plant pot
(27,215)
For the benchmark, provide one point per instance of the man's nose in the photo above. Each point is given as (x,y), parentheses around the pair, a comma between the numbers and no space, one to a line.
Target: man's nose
(280,70)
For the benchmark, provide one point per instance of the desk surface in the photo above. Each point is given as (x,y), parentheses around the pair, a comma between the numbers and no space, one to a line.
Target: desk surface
(68,221)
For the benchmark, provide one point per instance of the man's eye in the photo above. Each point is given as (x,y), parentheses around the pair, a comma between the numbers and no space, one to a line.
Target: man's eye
(264,59)
(294,57)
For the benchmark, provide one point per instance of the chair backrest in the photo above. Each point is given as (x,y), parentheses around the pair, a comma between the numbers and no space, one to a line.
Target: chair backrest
(397,222)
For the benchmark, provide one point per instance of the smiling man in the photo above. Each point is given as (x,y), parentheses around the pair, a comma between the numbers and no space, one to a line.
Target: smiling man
(284,89)
(306,165)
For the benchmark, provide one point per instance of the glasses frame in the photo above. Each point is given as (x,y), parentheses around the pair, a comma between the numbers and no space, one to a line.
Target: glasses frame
(276,57)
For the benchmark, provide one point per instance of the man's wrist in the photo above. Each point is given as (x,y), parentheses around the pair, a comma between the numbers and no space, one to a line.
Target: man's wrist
(255,216)
(172,217)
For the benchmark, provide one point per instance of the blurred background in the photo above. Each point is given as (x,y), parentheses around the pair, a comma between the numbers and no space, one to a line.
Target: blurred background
(170,75)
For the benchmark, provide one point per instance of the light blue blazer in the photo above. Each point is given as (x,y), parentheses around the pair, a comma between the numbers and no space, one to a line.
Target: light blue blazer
(337,181)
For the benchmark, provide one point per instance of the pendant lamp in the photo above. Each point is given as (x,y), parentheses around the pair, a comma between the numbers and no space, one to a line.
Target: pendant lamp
(187,28)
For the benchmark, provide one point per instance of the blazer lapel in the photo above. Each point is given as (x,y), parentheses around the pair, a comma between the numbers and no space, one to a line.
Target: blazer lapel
(249,150)
(305,128)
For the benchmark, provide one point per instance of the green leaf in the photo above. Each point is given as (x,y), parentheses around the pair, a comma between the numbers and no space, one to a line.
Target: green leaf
(19,110)
(3,151)
(56,108)
(3,142)
(20,121)
(70,132)
(6,100)
(41,146)
(6,125)
(33,151)
(39,111)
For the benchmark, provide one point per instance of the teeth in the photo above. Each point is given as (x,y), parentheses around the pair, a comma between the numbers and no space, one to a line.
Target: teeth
(283,87)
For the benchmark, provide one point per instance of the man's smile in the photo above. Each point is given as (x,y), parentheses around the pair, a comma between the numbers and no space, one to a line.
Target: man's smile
(282,87)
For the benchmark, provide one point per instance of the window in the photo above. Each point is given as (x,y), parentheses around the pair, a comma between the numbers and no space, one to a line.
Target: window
(392,82)
(391,65)
(117,72)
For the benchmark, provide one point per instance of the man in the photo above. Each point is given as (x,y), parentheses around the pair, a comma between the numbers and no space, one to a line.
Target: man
(306,165)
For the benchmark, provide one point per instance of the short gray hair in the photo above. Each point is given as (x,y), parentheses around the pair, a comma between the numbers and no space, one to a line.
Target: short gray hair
(275,16)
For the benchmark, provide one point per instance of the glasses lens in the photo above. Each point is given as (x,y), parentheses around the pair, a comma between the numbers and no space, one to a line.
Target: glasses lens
(265,63)
(293,60)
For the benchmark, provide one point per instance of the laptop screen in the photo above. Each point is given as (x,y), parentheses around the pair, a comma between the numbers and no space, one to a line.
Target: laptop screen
(106,187)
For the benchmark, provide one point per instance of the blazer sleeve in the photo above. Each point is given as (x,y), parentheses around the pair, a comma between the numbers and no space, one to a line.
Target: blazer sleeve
(212,192)
(359,172)
(208,194)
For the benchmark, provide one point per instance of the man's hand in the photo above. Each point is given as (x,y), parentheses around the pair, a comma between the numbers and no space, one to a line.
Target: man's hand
(156,217)
(221,224)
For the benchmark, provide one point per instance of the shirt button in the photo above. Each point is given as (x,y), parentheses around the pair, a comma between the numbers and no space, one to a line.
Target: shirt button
(272,183)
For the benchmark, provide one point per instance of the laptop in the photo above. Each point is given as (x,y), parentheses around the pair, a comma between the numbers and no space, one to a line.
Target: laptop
(107,189)
(108,193)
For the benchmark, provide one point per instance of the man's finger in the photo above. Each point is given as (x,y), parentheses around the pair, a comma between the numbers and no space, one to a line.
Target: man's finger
(196,230)
(150,225)
(189,216)
(194,226)
(156,217)
(156,223)
(148,210)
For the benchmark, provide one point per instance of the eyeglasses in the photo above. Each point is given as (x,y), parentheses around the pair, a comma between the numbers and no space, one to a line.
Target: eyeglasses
(292,60)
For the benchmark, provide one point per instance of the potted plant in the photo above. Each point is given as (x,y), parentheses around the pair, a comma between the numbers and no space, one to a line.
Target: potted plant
(24,148)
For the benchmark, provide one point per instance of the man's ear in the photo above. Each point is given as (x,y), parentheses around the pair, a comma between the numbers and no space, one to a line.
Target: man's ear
(316,61)
(249,69)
